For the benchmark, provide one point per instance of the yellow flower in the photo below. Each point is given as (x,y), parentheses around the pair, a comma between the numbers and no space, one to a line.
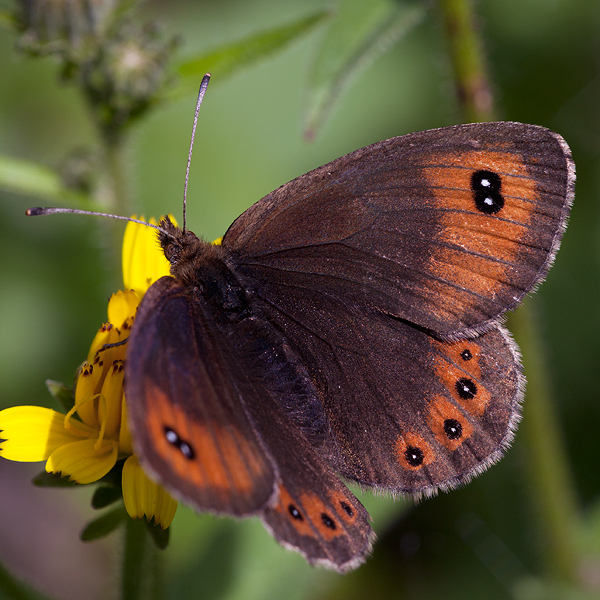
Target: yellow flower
(86,443)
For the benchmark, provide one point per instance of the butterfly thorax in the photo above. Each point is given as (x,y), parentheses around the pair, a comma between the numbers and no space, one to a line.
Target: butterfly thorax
(201,268)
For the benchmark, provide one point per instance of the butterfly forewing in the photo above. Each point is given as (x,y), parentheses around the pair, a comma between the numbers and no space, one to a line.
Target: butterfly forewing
(189,425)
(446,228)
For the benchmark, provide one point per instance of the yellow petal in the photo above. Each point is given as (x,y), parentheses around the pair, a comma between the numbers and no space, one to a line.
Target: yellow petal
(125,443)
(82,462)
(104,359)
(122,306)
(218,241)
(101,338)
(32,433)
(112,391)
(144,497)
(143,259)
(85,392)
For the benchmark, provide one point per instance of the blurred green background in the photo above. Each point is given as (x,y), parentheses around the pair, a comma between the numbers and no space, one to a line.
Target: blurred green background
(488,539)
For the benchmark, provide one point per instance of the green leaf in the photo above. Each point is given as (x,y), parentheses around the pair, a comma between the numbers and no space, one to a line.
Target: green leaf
(115,476)
(106,495)
(226,60)
(360,33)
(45,479)
(29,178)
(61,393)
(104,525)
(159,535)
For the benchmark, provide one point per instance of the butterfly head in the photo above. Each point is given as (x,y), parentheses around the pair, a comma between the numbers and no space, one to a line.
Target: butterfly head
(201,266)
(178,245)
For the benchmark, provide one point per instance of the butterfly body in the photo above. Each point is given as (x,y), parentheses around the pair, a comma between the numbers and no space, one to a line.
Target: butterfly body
(349,324)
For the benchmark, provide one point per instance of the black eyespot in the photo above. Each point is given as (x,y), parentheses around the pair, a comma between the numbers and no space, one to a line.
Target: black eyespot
(414,456)
(186,450)
(295,513)
(486,186)
(328,521)
(466,354)
(453,429)
(184,447)
(466,388)
(347,508)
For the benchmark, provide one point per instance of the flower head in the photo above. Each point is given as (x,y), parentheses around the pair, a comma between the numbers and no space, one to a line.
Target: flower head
(86,443)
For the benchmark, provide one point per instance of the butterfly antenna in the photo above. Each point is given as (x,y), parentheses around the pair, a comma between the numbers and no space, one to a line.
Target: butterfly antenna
(40,211)
(201,92)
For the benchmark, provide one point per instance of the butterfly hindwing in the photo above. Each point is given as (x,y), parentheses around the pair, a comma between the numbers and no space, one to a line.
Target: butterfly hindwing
(320,518)
(314,512)
(390,389)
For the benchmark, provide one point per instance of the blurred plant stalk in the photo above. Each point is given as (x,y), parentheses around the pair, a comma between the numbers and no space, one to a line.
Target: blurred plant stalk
(121,68)
(548,477)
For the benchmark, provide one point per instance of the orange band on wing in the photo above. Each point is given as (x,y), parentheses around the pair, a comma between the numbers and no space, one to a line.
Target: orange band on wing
(321,516)
(294,514)
(491,241)
(441,411)
(412,451)
(466,354)
(223,458)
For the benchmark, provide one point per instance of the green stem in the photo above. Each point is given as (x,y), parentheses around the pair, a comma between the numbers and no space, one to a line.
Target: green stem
(468,62)
(141,572)
(550,486)
(116,197)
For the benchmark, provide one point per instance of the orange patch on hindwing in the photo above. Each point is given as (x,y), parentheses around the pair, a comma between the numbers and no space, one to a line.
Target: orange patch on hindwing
(217,457)
(345,509)
(295,515)
(309,513)
(321,516)
(412,451)
(448,423)
(458,368)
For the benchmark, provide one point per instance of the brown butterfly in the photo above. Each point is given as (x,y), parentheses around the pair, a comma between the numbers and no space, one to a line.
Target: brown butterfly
(348,326)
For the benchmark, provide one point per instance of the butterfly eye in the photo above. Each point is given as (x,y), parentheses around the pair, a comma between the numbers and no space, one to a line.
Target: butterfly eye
(173,253)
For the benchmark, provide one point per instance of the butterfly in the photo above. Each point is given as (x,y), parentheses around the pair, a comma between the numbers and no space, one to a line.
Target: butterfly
(348,327)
